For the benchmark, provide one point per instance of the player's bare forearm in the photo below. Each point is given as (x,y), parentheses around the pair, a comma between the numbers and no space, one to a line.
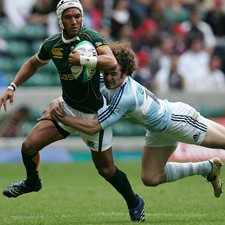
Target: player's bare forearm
(106,63)
(106,59)
(89,126)
(27,70)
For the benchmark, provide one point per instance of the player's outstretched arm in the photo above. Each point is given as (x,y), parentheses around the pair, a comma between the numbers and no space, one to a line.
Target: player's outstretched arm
(106,60)
(86,125)
(25,72)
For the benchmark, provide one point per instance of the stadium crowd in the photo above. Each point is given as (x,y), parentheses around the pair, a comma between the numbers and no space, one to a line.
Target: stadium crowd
(179,43)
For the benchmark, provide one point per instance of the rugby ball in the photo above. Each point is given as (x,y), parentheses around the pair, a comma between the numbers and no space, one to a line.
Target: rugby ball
(84,73)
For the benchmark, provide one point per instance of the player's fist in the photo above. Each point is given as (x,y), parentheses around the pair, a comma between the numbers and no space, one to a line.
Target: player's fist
(74,58)
(7,96)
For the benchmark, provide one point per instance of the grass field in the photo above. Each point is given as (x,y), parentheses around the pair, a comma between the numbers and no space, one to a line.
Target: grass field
(75,194)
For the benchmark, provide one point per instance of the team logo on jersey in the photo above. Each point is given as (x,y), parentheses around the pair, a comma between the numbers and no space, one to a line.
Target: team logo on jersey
(57,53)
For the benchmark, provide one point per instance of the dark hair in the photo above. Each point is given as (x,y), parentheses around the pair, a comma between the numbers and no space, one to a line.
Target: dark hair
(125,56)
(194,35)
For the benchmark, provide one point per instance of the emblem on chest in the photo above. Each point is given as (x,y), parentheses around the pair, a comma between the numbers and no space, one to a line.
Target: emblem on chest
(57,53)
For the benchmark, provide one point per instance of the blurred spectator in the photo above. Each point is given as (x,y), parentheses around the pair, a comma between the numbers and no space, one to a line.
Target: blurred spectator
(92,15)
(139,10)
(2,14)
(10,125)
(196,24)
(167,49)
(146,36)
(120,17)
(215,17)
(125,33)
(193,63)
(161,56)
(220,51)
(215,79)
(143,74)
(18,11)
(179,37)
(106,31)
(168,78)
(43,13)
(156,12)
(175,12)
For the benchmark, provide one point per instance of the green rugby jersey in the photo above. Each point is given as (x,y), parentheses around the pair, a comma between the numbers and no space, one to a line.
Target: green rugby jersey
(83,96)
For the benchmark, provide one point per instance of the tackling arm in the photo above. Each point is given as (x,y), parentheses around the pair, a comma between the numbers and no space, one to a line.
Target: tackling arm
(88,126)
(106,60)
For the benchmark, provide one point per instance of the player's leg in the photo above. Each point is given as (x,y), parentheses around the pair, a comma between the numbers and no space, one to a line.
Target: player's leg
(215,136)
(44,133)
(154,160)
(100,145)
(106,168)
(158,148)
(187,125)
(156,169)
(104,163)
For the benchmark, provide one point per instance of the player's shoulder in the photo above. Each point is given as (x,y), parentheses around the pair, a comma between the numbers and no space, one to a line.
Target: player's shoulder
(125,93)
(88,31)
(93,36)
(52,39)
(134,88)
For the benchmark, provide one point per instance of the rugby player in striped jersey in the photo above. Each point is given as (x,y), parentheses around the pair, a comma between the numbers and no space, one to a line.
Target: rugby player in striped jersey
(166,123)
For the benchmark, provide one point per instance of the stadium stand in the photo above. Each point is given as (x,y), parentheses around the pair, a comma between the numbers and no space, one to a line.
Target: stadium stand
(157,17)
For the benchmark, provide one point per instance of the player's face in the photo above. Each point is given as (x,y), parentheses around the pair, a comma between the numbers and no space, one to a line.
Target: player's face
(114,79)
(72,21)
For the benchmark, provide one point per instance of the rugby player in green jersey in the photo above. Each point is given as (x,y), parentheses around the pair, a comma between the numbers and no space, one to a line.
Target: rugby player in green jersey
(80,97)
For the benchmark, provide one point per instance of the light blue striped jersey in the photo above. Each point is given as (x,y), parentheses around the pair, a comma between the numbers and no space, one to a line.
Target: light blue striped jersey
(137,104)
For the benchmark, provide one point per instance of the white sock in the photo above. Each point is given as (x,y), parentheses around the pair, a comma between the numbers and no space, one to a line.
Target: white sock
(176,171)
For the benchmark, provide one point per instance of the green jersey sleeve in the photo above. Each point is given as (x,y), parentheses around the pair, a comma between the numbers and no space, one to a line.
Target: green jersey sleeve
(44,52)
(94,37)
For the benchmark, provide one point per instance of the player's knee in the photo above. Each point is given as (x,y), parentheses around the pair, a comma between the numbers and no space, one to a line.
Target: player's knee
(151,179)
(27,147)
(107,172)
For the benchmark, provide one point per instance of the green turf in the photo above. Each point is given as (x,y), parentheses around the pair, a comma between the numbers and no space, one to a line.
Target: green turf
(75,194)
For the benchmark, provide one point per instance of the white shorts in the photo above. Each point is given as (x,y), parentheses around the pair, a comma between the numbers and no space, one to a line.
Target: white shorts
(186,125)
(98,142)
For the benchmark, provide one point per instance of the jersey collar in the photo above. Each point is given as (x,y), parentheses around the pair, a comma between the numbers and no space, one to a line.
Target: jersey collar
(112,91)
(67,41)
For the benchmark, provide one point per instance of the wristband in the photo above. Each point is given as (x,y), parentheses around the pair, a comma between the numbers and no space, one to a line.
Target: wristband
(88,60)
(12,87)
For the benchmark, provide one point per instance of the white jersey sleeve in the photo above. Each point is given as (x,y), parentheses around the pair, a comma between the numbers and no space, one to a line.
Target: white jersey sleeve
(119,105)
